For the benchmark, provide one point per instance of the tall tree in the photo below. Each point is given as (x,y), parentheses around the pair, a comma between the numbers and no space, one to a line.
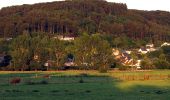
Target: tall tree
(92,52)
(20,52)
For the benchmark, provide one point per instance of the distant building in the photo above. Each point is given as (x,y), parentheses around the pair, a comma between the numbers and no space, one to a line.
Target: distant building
(165,44)
(116,52)
(36,57)
(128,51)
(46,64)
(125,59)
(69,64)
(143,50)
(138,64)
(65,38)
(151,49)
(8,39)
(148,48)
(150,45)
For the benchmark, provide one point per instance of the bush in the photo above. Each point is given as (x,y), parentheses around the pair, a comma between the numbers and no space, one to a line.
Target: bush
(81,80)
(35,91)
(35,65)
(147,65)
(162,64)
(54,91)
(44,82)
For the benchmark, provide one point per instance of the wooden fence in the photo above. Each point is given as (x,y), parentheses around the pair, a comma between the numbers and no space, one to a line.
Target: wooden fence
(144,77)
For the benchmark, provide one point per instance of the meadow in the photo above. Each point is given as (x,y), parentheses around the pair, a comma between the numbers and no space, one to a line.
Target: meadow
(86,85)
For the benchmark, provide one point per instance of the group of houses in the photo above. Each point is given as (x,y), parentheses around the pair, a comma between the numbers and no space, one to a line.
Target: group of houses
(124,56)
(148,48)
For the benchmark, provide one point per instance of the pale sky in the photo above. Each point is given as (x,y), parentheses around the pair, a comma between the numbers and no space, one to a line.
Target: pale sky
(132,4)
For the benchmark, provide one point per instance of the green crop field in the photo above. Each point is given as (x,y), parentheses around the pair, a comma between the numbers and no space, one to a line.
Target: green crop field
(86,85)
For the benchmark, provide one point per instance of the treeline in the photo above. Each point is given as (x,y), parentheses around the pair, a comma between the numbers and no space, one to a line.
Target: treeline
(32,52)
(159,59)
(88,52)
(73,17)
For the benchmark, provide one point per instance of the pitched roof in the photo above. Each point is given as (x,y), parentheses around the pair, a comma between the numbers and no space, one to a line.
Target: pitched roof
(143,49)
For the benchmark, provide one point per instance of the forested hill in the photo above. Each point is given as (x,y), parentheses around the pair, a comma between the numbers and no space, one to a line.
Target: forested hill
(72,17)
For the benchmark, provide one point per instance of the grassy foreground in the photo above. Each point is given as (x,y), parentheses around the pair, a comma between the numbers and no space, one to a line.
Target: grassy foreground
(83,85)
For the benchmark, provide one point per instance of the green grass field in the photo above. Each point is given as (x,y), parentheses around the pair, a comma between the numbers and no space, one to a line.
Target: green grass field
(84,85)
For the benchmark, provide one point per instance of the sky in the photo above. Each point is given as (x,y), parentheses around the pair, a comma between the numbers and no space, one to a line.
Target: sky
(132,4)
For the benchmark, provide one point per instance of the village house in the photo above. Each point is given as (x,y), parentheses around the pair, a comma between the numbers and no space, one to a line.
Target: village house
(65,38)
(124,58)
(36,57)
(165,44)
(69,64)
(8,39)
(116,52)
(150,45)
(148,48)
(143,50)
(138,64)
(128,51)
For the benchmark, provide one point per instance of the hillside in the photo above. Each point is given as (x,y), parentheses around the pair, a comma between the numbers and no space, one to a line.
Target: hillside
(72,17)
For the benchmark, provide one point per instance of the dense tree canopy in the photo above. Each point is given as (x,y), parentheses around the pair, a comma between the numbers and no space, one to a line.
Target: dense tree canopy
(32,52)
(92,52)
(72,17)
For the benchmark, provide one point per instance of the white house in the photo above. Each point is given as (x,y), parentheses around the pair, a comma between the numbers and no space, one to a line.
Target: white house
(115,52)
(151,49)
(143,50)
(69,64)
(36,57)
(128,51)
(165,44)
(150,45)
(8,39)
(65,38)
(46,64)
(138,64)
